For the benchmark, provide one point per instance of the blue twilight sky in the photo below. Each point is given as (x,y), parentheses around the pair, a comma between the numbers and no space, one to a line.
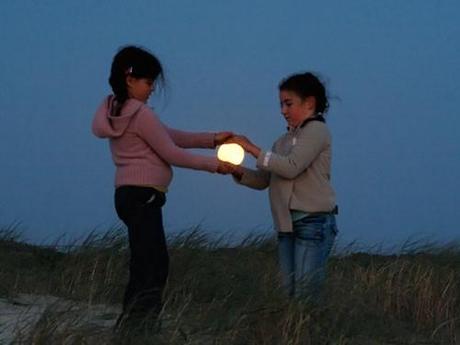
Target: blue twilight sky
(392,68)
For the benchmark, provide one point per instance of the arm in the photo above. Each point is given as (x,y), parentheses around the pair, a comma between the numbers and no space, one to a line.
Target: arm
(202,140)
(255,179)
(157,136)
(310,142)
(191,139)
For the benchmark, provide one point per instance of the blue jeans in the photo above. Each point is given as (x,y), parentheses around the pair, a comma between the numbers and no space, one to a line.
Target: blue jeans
(303,254)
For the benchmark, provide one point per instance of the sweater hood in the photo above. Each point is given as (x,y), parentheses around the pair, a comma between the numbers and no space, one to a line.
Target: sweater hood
(105,125)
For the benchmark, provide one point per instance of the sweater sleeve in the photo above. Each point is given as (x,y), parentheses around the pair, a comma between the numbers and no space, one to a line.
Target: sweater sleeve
(310,142)
(150,128)
(186,139)
(255,179)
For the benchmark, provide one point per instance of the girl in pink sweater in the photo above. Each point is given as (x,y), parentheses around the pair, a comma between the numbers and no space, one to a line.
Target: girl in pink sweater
(144,151)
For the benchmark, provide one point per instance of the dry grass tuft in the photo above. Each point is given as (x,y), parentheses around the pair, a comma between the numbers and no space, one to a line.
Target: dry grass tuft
(221,294)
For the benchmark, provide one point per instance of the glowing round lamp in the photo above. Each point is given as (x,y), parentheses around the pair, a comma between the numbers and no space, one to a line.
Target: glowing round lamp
(232,153)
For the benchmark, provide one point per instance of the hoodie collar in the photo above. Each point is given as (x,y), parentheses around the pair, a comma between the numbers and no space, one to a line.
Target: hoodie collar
(110,126)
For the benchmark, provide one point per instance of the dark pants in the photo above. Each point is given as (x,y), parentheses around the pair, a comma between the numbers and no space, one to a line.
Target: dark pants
(140,209)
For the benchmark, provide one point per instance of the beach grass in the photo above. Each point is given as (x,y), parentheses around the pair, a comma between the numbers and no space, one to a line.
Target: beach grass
(230,294)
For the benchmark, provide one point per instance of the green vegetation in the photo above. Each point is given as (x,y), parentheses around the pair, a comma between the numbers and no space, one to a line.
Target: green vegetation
(230,295)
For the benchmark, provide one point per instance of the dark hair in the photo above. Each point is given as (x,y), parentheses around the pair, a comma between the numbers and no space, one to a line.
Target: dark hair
(306,85)
(134,61)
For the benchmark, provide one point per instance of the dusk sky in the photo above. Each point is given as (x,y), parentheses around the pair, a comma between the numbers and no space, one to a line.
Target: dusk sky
(392,69)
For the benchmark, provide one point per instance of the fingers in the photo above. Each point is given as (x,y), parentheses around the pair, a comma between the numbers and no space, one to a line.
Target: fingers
(237,173)
(235,139)
(225,168)
(241,140)
(222,137)
(244,142)
(229,137)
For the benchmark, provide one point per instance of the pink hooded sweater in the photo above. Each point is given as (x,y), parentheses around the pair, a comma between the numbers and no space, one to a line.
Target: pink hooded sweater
(144,149)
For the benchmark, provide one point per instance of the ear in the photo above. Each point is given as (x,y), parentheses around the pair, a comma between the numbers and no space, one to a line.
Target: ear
(310,103)
(129,80)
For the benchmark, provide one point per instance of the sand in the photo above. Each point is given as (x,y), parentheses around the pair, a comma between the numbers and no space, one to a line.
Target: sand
(23,313)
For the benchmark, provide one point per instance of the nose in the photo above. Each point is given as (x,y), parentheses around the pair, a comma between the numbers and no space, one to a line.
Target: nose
(283,110)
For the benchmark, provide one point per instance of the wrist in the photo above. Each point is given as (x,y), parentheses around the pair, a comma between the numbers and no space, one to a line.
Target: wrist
(238,173)
(255,151)
(237,176)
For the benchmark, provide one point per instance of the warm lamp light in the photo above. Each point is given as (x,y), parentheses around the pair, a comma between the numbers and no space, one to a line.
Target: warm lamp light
(232,153)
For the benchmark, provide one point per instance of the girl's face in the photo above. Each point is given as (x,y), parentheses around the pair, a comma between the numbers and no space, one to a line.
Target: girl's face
(295,109)
(140,88)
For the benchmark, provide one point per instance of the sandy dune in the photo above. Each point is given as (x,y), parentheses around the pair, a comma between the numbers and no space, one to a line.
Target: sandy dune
(19,315)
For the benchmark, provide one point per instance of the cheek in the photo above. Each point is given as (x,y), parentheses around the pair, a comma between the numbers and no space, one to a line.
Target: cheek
(297,111)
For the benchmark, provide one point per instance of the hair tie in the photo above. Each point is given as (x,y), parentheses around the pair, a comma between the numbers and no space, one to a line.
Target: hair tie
(129,70)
